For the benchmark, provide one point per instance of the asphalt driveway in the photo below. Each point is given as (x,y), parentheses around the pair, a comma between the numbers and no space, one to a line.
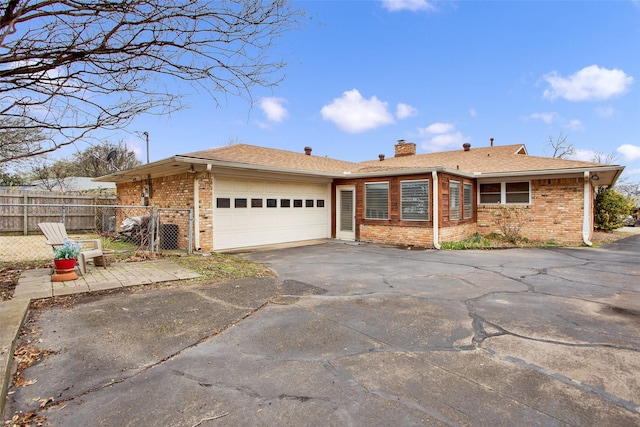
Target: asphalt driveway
(356,335)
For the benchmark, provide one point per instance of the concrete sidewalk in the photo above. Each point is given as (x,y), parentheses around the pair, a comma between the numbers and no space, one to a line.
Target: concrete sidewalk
(37,284)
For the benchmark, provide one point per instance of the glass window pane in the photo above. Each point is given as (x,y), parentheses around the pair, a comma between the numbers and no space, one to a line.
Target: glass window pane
(256,203)
(414,200)
(489,198)
(376,200)
(240,203)
(454,200)
(272,203)
(223,202)
(467,209)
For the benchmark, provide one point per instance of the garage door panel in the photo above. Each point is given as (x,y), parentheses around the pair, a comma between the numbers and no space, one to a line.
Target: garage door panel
(254,226)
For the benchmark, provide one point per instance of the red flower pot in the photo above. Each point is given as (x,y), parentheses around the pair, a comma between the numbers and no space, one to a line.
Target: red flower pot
(65,270)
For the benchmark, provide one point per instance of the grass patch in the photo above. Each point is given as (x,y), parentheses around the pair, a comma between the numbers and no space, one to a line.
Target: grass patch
(218,267)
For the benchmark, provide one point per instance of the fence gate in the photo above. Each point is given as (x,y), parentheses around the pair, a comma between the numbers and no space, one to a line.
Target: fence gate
(174,230)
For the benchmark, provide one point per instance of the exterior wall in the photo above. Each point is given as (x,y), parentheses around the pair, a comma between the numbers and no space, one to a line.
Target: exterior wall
(555,214)
(457,233)
(397,235)
(395,231)
(177,192)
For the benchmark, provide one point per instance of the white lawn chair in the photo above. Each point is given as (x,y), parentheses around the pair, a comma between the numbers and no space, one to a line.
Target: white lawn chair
(56,235)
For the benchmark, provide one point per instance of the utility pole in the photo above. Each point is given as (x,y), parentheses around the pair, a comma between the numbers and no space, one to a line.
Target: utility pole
(146,135)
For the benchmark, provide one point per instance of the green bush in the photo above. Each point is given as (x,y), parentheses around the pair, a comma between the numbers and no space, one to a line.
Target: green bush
(611,208)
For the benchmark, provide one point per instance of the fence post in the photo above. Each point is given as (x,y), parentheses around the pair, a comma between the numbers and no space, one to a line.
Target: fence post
(64,214)
(25,215)
(153,229)
(190,233)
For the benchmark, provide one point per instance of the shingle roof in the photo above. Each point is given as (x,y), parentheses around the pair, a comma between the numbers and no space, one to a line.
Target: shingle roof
(254,155)
(496,159)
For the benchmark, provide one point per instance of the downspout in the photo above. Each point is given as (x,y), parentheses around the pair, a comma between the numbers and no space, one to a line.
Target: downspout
(196,213)
(436,211)
(586,220)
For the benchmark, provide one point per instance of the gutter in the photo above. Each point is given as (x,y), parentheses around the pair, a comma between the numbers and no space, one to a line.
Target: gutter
(586,220)
(436,210)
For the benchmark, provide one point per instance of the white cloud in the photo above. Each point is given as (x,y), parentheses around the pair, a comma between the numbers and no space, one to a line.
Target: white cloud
(437,128)
(441,136)
(630,152)
(404,111)
(545,117)
(574,124)
(589,84)
(473,112)
(584,155)
(605,111)
(412,5)
(274,109)
(352,113)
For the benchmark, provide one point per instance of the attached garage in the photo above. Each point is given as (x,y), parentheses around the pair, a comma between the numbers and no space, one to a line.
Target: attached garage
(264,212)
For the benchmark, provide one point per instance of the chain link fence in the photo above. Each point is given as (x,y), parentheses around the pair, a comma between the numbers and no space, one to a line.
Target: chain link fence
(125,230)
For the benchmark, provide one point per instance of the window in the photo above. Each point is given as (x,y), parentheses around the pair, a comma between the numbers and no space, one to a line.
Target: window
(272,203)
(517,192)
(467,201)
(240,203)
(454,200)
(223,202)
(256,203)
(490,193)
(376,200)
(308,203)
(285,203)
(505,192)
(414,200)
(320,203)
(297,203)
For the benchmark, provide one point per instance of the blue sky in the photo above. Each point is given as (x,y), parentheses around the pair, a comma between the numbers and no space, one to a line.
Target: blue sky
(363,74)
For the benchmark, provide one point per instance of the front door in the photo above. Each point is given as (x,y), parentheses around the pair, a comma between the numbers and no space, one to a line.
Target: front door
(346,213)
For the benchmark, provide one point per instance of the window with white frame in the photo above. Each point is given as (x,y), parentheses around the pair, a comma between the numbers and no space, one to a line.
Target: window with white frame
(505,192)
(414,200)
(454,200)
(376,202)
(467,201)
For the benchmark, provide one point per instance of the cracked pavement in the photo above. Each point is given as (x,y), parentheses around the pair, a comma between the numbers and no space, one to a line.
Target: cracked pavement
(357,335)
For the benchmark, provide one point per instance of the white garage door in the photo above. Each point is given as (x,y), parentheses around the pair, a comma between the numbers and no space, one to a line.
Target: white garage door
(253,213)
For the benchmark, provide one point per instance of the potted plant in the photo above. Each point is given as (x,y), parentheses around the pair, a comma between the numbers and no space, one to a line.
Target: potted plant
(64,259)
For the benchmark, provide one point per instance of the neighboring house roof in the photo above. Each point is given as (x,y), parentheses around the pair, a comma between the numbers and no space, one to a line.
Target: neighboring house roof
(494,161)
(74,183)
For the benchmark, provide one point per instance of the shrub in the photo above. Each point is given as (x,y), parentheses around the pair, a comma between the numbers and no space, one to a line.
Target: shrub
(610,209)
(510,220)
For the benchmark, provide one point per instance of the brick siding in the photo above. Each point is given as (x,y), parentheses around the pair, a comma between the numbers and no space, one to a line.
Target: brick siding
(555,214)
(176,192)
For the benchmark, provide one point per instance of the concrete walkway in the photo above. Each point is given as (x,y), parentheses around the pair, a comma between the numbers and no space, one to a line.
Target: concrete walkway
(37,284)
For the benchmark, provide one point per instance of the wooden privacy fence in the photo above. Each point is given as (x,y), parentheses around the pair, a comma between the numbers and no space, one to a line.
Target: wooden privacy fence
(21,211)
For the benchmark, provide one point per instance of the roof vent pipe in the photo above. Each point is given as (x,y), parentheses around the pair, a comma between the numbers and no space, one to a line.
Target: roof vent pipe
(491,141)
(381,157)
(307,151)
(466,146)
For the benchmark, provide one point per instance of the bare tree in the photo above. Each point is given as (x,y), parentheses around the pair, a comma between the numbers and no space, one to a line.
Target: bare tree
(605,159)
(562,149)
(70,67)
(103,159)
(49,176)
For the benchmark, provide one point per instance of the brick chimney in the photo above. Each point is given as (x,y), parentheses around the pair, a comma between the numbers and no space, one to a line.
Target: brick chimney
(405,148)
(307,151)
